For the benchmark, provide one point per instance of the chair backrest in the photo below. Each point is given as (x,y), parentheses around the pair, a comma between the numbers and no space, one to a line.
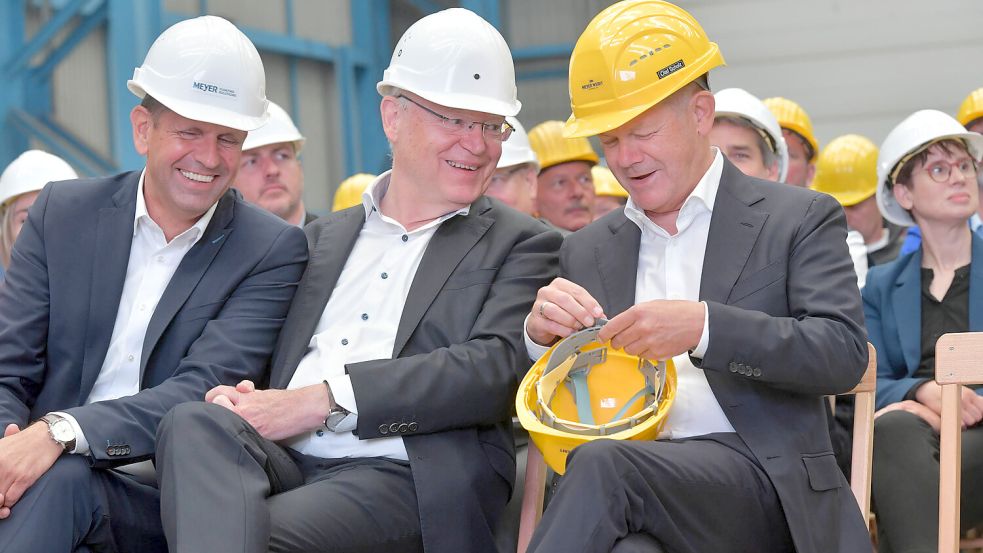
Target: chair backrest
(958,361)
(863,434)
(863,444)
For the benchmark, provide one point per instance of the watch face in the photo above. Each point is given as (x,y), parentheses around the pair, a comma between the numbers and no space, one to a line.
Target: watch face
(62,431)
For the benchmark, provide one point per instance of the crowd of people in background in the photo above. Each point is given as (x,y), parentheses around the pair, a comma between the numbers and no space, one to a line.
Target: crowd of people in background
(141,314)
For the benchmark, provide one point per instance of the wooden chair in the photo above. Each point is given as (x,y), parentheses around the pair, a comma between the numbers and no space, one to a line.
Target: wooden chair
(863,444)
(958,361)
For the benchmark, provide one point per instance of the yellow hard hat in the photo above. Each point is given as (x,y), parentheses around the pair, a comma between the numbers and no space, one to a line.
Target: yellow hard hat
(847,169)
(631,56)
(605,184)
(552,148)
(971,108)
(350,190)
(791,116)
(582,390)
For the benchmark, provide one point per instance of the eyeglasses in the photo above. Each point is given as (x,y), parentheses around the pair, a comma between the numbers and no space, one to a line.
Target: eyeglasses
(492,131)
(940,171)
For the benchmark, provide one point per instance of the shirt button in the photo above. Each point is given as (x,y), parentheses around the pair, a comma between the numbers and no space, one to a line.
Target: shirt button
(320,433)
(344,341)
(405,238)
(129,358)
(365,316)
(143,306)
(385,276)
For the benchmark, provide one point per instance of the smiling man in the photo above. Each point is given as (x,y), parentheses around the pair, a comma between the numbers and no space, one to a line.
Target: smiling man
(130,294)
(387,426)
(565,192)
(270,173)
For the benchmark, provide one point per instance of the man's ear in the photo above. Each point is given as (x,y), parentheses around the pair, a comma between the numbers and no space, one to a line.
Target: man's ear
(141,120)
(390,110)
(902,195)
(773,171)
(702,106)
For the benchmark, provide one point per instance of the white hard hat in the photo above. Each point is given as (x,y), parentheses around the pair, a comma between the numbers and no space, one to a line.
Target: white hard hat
(280,128)
(516,150)
(917,132)
(207,70)
(30,172)
(737,102)
(456,59)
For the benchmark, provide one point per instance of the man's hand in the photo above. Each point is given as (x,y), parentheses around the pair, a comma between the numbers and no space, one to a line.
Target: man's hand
(915,408)
(929,394)
(24,457)
(560,309)
(656,330)
(275,414)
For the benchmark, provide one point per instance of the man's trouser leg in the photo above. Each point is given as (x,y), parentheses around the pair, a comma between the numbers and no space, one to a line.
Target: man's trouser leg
(224,488)
(75,507)
(692,496)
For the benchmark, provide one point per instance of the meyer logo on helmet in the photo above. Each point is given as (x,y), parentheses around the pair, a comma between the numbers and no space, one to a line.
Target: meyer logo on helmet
(206,87)
(670,69)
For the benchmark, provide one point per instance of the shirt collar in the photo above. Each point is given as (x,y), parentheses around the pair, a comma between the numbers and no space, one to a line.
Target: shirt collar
(376,190)
(705,193)
(975,222)
(141,214)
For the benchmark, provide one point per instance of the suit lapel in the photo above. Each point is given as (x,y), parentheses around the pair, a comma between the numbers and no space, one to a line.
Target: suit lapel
(617,264)
(453,239)
(906,298)
(734,228)
(976,285)
(334,244)
(114,235)
(188,273)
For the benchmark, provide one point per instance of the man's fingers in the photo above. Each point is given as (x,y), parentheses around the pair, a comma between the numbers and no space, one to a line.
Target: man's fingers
(245,387)
(617,331)
(4,512)
(11,430)
(579,294)
(227,391)
(224,401)
(565,312)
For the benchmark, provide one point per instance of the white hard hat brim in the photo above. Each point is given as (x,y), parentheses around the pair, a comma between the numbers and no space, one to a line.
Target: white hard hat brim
(456,100)
(201,112)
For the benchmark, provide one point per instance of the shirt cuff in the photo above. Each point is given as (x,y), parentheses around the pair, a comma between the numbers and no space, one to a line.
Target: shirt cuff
(701,348)
(534,350)
(81,444)
(343,392)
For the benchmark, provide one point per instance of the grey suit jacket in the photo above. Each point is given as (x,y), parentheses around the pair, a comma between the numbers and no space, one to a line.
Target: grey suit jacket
(216,322)
(786,328)
(449,387)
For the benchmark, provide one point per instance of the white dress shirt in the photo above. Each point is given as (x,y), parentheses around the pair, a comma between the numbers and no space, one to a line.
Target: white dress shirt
(151,265)
(360,321)
(671,267)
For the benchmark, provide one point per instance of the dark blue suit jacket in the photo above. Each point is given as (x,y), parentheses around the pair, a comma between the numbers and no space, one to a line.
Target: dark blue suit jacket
(216,323)
(893,311)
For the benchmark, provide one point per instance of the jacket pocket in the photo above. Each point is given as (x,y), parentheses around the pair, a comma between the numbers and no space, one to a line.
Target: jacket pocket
(467,279)
(757,280)
(202,311)
(824,473)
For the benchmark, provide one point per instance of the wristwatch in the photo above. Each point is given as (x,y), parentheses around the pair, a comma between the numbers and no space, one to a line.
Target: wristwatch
(339,419)
(60,430)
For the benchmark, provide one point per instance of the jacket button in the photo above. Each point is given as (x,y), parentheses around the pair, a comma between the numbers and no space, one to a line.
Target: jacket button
(394,427)
(109,451)
(756,372)
(126,450)
(414,427)
(403,427)
(733,367)
(383,429)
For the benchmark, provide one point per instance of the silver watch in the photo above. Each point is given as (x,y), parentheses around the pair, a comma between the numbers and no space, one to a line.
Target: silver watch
(60,430)
(339,419)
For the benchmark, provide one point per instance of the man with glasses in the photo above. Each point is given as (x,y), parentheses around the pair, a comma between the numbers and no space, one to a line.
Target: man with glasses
(565,196)
(387,425)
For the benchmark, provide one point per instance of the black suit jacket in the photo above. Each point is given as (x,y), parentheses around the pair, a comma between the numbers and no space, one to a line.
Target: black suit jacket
(216,322)
(450,384)
(786,329)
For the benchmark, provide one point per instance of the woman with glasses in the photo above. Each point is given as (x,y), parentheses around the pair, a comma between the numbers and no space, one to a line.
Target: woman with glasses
(926,176)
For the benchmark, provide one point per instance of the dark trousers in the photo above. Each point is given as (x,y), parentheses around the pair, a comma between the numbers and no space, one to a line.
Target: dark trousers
(905,486)
(225,488)
(74,507)
(692,496)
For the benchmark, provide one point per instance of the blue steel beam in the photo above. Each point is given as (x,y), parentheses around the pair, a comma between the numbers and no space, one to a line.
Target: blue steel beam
(491,10)
(89,23)
(132,27)
(60,142)
(12,89)
(370,35)
(44,35)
